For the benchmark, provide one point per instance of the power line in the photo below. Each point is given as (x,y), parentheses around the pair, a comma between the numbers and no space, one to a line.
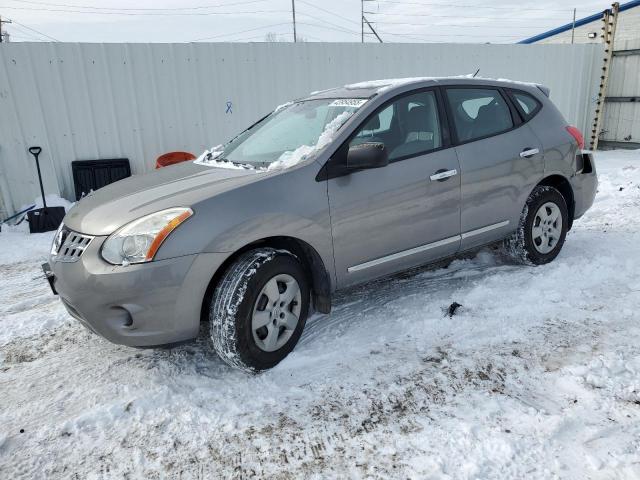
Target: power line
(262,35)
(88,7)
(488,25)
(336,28)
(26,39)
(34,30)
(3,35)
(304,14)
(23,31)
(162,14)
(449,35)
(241,31)
(453,5)
(413,14)
(329,12)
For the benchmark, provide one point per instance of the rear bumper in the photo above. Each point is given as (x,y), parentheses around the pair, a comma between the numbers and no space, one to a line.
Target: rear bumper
(585,186)
(139,305)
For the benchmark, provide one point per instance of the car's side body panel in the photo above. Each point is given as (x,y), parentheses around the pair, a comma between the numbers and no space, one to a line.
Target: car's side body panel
(496,182)
(388,219)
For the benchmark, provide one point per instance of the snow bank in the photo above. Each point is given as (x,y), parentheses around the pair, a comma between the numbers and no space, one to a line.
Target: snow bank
(618,376)
(52,201)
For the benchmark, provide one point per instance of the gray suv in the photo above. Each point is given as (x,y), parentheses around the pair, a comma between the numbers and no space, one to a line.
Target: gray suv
(338,188)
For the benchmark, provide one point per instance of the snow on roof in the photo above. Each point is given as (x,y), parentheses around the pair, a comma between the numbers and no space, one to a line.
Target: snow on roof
(381,85)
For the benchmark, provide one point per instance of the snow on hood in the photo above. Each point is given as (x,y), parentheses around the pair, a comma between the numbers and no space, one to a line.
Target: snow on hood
(208,159)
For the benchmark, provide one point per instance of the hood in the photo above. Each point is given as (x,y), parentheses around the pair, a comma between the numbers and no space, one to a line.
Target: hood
(104,211)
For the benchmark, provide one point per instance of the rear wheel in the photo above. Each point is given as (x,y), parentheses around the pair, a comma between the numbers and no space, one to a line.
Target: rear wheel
(259,309)
(542,229)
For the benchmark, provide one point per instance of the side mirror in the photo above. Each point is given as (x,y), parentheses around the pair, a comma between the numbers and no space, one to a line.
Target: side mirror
(367,155)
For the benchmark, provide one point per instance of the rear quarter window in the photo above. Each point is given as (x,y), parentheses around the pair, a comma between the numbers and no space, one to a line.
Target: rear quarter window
(526,104)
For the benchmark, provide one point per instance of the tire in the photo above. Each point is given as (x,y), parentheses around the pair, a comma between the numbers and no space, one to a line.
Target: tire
(244,295)
(542,245)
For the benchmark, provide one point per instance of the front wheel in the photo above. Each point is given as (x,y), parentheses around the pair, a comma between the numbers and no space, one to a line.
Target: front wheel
(259,309)
(542,229)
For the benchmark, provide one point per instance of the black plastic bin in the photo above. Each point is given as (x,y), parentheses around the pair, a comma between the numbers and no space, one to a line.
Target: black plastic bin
(94,174)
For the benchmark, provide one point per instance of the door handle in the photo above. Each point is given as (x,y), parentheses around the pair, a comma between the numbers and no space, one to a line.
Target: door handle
(529,152)
(442,175)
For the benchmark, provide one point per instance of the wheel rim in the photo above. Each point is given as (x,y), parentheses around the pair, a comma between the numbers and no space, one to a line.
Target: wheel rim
(547,227)
(276,312)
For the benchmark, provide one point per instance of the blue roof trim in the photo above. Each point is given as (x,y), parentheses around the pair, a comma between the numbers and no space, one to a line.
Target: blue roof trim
(579,23)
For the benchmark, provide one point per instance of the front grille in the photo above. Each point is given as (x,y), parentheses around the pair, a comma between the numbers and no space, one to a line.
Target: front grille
(72,246)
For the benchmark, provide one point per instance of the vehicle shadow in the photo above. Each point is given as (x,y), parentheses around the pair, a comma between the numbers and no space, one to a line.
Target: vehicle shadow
(354,307)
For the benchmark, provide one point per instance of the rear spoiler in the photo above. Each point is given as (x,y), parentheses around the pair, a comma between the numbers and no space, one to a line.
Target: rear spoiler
(544,90)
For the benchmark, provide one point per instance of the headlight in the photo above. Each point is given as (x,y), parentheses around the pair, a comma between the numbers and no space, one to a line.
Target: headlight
(138,241)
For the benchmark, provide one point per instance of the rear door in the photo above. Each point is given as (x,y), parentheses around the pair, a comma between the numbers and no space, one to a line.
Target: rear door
(501,160)
(391,218)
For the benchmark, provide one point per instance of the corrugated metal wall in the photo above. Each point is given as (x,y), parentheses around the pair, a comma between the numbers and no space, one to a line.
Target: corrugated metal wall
(621,121)
(628,27)
(92,101)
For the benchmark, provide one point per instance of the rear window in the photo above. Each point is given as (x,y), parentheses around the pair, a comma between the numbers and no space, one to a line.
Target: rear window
(527,105)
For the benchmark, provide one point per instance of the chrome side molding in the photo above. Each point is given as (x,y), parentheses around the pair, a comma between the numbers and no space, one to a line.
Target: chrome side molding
(423,248)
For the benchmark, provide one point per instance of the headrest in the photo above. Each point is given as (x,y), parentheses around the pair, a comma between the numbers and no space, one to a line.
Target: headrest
(373,123)
(419,120)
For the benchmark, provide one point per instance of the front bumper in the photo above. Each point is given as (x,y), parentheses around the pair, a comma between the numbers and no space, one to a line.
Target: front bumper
(146,304)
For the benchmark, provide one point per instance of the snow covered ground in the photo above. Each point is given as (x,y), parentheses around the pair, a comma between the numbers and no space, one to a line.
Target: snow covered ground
(536,376)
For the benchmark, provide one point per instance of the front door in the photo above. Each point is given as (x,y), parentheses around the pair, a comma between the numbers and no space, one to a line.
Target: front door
(407,213)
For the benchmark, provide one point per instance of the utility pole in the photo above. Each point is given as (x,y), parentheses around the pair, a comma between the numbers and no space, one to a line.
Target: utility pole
(293,10)
(573,26)
(362,19)
(3,34)
(374,32)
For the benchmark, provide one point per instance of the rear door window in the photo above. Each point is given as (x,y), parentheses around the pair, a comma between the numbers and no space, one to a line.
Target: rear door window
(478,112)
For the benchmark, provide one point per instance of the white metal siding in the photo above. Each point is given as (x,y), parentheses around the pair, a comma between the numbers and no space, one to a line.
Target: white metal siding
(92,101)
(621,120)
(628,27)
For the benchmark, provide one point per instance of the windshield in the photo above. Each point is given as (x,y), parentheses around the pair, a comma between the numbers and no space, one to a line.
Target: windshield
(290,134)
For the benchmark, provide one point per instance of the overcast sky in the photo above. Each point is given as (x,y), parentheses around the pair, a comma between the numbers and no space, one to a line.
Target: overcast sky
(497,21)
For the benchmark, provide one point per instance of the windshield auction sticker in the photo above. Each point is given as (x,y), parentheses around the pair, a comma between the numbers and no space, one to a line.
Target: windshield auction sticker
(348,102)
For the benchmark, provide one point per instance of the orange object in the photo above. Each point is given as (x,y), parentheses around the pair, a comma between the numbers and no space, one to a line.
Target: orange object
(172,158)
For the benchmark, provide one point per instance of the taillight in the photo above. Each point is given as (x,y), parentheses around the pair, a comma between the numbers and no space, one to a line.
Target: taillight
(575,133)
